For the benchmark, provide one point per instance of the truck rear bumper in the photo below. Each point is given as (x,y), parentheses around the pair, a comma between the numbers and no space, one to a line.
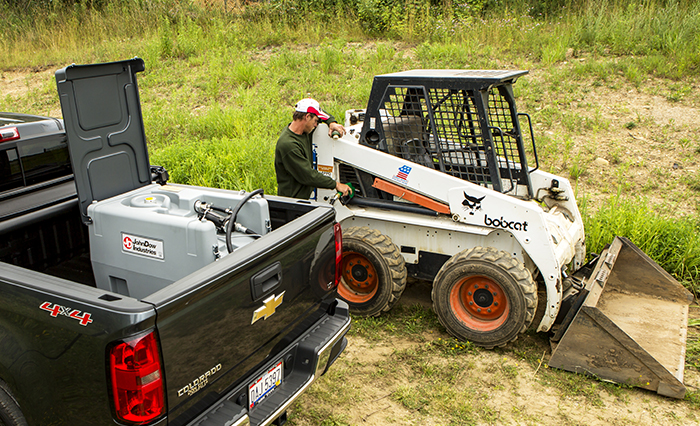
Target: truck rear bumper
(306,359)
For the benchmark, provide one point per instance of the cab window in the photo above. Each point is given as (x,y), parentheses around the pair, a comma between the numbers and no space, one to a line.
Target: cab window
(45,159)
(10,170)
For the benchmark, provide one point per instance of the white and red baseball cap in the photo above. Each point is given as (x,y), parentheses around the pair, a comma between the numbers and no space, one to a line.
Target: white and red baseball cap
(311,105)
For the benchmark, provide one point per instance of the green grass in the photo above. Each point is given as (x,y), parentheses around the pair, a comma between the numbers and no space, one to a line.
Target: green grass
(693,398)
(692,354)
(413,321)
(672,242)
(432,377)
(219,85)
(649,38)
(693,181)
(220,163)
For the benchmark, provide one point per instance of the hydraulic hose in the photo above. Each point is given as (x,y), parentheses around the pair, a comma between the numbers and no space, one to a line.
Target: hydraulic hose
(234,214)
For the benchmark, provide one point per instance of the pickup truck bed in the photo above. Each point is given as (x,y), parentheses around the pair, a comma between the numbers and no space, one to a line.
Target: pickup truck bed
(202,323)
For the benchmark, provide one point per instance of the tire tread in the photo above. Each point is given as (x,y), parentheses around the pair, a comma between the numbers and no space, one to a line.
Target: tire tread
(511,266)
(391,255)
(10,412)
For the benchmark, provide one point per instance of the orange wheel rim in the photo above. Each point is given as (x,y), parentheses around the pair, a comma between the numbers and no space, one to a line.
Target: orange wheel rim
(480,303)
(359,280)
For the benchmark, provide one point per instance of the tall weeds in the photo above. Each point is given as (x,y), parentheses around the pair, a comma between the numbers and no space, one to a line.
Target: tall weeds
(672,242)
(56,34)
(650,29)
(662,35)
(221,163)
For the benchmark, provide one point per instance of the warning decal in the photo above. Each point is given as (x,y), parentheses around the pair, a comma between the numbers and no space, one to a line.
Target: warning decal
(149,247)
(326,170)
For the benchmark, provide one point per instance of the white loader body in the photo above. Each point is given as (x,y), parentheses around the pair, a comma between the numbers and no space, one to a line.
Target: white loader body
(544,238)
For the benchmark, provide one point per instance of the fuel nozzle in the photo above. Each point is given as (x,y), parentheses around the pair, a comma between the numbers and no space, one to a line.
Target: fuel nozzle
(216,215)
(344,199)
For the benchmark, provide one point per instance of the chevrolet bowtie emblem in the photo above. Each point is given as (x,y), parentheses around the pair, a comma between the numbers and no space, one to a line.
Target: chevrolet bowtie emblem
(271,303)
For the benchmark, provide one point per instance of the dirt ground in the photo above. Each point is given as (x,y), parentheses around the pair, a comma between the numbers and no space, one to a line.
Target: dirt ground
(521,400)
(375,383)
(650,145)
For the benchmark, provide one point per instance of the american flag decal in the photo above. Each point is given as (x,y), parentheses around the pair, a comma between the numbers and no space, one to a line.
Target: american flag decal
(403,172)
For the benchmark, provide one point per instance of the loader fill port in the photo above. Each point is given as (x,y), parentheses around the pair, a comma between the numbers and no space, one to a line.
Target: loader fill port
(629,325)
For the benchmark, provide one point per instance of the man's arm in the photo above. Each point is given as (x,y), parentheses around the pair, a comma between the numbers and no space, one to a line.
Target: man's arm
(297,165)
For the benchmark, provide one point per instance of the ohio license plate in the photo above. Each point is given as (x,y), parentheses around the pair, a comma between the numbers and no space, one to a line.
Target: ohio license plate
(267,383)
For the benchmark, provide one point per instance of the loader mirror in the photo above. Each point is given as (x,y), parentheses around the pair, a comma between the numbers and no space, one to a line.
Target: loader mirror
(372,137)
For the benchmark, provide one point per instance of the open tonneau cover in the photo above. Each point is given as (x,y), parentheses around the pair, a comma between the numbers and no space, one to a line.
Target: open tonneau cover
(102,116)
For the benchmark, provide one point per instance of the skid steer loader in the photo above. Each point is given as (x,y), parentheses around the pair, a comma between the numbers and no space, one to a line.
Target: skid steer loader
(444,192)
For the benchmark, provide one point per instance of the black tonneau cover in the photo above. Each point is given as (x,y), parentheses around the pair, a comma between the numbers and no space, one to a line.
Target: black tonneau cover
(102,115)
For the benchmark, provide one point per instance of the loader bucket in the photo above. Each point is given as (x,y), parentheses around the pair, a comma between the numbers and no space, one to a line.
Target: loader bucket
(629,324)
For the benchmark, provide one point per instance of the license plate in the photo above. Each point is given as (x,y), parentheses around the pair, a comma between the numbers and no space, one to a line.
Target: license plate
(267,383)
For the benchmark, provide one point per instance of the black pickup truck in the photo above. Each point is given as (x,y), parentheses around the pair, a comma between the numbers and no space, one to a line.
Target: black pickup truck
(128,300)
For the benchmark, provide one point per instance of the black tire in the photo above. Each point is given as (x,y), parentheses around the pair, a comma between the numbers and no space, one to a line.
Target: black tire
(10,413)
(373,272)
(485,296)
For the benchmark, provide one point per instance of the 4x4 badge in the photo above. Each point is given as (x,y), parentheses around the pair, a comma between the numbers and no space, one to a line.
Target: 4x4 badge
(57,310)
(271,304)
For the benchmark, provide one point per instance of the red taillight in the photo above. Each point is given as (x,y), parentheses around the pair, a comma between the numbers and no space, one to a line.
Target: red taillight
(338,233)
(8,134)
(137,380)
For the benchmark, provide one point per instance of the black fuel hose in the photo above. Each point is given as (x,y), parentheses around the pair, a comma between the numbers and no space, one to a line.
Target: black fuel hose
(234,214)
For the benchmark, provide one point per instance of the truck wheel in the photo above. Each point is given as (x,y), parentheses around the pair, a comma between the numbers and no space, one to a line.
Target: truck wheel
(10,414)
(485,296)
(373,272)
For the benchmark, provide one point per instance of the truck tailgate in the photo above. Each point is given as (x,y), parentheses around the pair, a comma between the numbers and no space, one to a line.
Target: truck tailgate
(210,337)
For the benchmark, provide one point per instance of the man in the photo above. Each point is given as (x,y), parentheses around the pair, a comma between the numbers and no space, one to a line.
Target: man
(296,176)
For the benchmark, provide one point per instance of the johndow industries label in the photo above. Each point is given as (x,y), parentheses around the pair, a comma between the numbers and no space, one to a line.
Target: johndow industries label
(142,246)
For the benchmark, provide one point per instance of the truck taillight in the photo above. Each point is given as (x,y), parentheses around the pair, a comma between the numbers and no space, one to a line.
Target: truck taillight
(338,233)
(137,379)
(8,134)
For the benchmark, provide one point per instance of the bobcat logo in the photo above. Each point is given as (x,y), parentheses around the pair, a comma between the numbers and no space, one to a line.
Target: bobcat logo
(472,203)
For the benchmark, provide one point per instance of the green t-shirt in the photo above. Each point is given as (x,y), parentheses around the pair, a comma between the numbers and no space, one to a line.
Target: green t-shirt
(296,176)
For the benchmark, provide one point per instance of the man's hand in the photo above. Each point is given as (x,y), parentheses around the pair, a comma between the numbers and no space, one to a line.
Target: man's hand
(343,188)
(335,127)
